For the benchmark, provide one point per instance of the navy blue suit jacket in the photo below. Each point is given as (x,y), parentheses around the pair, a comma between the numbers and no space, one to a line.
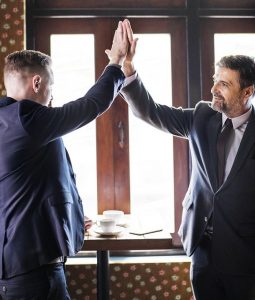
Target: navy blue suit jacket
(233,204)
(41,214)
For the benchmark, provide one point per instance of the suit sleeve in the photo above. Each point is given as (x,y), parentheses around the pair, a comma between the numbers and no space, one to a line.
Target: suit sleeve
(46,124)
(177,121)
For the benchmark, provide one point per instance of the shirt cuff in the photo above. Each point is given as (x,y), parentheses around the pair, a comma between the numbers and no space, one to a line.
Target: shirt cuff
(129,79)
(115,65)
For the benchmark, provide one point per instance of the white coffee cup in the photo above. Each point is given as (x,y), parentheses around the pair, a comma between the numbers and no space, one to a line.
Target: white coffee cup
(116,215)
(107,225)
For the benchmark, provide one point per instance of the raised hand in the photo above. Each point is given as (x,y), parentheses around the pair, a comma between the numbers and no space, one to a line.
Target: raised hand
(128,66)
(120,44)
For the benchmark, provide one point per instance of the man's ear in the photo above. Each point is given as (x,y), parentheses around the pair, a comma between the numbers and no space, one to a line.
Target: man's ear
(36,81)
(248,92)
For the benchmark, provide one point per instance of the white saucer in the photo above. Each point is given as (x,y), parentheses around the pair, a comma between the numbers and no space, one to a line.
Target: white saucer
(123,222)
(117,230)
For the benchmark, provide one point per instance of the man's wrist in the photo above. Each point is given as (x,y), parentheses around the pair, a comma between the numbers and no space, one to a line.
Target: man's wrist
(128,68)
(115,65)
(116,61)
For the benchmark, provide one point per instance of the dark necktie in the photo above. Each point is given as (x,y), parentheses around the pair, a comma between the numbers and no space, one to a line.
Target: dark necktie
(222,141)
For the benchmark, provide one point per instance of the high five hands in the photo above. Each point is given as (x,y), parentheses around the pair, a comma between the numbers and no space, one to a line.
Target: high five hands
(123,48)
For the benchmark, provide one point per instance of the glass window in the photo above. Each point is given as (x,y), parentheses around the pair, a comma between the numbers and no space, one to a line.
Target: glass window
(74,73)
(233,44)
(151,150)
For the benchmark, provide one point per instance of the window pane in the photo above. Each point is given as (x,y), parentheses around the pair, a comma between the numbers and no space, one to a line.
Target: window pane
(151,150)
(233,44)
(74,73)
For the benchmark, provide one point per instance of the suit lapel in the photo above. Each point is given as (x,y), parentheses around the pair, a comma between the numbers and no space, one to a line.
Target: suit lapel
(214,127)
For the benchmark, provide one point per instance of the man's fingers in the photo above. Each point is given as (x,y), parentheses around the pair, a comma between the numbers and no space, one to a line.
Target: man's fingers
(119,28)
(133,45)
(128,30)
(107,52)
(124,31)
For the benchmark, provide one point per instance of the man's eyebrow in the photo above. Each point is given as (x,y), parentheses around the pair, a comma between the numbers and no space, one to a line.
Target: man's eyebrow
(226,82)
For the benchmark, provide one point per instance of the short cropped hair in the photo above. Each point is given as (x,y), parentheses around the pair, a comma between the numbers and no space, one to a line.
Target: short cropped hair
(245,65)
(27,61)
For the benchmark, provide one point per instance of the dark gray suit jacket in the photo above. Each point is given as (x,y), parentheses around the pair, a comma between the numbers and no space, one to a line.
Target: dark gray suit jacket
(233,205)
(41,214)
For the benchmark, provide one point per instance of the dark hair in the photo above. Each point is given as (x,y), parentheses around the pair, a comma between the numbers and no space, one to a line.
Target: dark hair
(245,65)
(27,61)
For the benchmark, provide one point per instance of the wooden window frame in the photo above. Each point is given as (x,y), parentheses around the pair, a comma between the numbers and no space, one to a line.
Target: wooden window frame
(113,178)
(196,62)
(209,27)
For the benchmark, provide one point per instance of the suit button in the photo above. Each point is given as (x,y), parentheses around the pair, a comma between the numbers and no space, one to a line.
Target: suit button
(206,219)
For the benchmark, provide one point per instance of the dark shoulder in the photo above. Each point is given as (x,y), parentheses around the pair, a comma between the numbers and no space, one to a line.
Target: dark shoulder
(28,106)
(204,107)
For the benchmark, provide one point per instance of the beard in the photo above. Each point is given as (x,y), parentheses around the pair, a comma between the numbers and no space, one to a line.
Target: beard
(218,103)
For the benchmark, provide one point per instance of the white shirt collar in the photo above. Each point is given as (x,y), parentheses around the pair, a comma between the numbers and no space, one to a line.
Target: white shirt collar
(238,121)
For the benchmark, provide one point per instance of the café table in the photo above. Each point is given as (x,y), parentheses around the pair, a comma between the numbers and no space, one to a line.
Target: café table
(124,241)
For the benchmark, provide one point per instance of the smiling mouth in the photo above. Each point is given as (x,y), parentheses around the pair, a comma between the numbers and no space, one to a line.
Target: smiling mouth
(217,98)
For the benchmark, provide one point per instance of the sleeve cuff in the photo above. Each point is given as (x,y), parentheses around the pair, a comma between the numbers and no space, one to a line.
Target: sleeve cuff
(129,79)
(115,65)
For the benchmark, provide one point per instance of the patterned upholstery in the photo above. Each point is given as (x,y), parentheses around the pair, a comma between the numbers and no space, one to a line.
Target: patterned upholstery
(12,31)
(139,281)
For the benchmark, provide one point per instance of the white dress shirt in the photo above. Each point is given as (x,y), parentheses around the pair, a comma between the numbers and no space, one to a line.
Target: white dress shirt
(239,126)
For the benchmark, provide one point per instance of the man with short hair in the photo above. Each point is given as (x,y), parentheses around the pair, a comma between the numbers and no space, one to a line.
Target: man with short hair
(218,221)
(41,214)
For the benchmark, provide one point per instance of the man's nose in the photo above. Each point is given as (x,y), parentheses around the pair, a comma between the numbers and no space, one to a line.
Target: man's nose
(214,88)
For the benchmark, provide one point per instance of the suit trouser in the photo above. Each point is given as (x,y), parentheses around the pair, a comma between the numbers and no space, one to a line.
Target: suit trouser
(45,283)
(210,284)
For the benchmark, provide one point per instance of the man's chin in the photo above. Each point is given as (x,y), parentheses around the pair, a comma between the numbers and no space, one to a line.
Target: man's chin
(217,105)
